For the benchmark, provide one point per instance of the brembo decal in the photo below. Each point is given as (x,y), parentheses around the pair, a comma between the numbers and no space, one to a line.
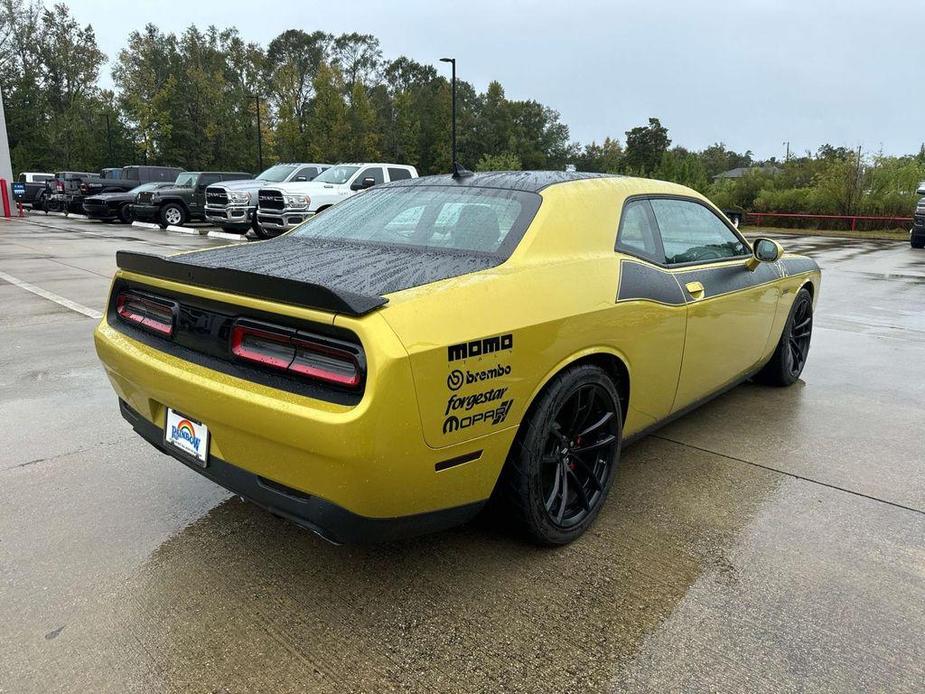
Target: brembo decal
(478,348)
(458,378)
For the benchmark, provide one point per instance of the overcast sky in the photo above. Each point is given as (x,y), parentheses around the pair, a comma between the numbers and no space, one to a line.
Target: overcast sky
(752,73)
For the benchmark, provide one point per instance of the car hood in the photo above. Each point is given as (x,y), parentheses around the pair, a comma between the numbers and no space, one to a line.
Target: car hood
(305,187)
(108,197)
(244,184)
(172,190)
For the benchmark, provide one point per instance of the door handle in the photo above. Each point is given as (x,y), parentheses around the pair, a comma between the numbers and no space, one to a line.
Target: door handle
(695,289)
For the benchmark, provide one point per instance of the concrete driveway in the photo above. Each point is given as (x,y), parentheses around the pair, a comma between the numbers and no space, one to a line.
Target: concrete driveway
(773,540)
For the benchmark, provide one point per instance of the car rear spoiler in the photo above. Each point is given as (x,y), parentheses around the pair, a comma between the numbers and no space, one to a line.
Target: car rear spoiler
(260,286)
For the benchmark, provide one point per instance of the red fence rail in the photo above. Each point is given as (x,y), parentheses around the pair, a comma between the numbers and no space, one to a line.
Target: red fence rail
(853,218)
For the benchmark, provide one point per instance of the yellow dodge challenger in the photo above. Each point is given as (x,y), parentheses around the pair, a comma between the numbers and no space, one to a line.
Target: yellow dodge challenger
(392,364)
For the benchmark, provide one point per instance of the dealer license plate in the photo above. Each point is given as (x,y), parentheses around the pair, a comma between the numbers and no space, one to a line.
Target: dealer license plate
(187,435)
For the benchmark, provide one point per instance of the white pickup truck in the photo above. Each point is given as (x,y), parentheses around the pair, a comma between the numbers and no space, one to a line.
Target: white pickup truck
(286,205)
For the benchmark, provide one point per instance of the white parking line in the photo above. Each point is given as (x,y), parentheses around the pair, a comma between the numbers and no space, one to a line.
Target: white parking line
(51,296)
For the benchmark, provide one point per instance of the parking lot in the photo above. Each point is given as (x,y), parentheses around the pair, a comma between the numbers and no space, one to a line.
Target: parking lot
(773,540)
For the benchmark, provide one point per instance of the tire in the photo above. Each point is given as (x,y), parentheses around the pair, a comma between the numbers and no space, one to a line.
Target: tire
(39,204)
(261,234)
(917,243)
(553,493)
(235,230)
(172,214)
(792,349)
(125,214)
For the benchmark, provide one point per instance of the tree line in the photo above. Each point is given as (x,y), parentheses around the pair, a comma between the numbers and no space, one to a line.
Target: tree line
(192,100)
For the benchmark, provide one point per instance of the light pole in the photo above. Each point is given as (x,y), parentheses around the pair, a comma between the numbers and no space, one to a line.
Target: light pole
(458,170)
(256,97)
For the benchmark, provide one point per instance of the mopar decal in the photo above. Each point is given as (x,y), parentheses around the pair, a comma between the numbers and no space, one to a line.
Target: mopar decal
(495,417)
(457,378)
(477,348)
(467,402)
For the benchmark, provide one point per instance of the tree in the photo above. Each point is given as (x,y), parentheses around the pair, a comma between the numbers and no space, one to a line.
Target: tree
(327,121)
(358,57)
(645,146)
(505,161)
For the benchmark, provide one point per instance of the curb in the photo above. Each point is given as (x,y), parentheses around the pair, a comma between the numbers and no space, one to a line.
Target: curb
(146,225)
(226,235)
(183,230)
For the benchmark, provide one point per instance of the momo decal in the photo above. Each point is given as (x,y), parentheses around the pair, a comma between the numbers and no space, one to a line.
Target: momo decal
(457,378)
(467,402)
(495,417)
(478,348)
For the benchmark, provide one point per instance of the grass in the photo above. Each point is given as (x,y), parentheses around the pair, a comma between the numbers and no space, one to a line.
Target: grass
(880,234)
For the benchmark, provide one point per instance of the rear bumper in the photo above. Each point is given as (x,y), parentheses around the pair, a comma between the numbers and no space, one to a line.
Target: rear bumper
(329,520)
(229,215)
(369,459)
(283,220)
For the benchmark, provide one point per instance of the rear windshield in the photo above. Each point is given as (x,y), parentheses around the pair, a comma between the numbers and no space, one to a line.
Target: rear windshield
(470,219)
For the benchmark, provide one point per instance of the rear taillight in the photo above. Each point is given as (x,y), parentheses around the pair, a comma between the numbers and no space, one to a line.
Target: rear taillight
(83,188)
(59,186)
(154,315)
(296,353)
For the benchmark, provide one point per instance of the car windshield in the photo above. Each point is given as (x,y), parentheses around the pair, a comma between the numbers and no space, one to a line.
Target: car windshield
(278,173)
(469,219)
(186,180)
(337,174)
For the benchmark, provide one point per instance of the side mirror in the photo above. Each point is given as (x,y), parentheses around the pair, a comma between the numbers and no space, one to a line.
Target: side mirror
(300,178)
(367,182)
(765,251)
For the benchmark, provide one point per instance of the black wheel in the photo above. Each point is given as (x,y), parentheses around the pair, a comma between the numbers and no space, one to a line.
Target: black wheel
(789,357)
(918,243)
(261,234)
(561,465)
(39,203)
(172,214)
(125,214)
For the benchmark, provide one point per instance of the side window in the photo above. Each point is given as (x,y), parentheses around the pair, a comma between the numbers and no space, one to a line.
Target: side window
(308,173)
(208,179)
(692,233)
(373,172)
(22,178)
(638,234)
(398,174)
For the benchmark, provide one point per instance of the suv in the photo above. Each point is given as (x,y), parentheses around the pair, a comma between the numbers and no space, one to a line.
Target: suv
(184,201)
(128,177)
(232,205)
(284,206)
(917,237)
(29,189)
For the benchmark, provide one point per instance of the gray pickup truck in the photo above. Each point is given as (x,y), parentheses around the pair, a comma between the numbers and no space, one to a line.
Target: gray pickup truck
(232,205)
(917,236)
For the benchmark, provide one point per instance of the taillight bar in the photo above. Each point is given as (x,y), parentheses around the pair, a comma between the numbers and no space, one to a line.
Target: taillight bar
(297,353)
(154,315)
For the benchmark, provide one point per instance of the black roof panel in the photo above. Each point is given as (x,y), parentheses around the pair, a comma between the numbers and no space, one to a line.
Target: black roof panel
(528,181)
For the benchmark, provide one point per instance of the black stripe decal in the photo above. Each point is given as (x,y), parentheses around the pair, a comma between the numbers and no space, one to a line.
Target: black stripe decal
(797,266)
(640,282)
(717,281)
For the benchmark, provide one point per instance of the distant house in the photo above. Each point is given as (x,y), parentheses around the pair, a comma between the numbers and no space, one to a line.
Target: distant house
(742,170)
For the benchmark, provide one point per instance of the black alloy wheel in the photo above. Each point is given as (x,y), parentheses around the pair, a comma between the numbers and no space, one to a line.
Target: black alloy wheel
(801,330)
(581,446)
(789,358)
(562,463)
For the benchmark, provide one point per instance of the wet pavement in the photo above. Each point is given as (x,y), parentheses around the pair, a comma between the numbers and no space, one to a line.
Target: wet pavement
(773,540)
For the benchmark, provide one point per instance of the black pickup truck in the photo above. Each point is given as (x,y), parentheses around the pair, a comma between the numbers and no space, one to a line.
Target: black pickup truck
(62,193)
(128,177)
(30,189)
(182,202)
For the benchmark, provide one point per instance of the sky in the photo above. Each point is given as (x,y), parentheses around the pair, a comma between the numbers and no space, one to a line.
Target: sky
(750,73)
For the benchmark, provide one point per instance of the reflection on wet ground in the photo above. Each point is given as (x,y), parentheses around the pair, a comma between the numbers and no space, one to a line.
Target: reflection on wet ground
(774,540)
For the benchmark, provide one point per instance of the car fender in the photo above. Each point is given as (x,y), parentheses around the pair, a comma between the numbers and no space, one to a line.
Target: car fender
(582,354)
